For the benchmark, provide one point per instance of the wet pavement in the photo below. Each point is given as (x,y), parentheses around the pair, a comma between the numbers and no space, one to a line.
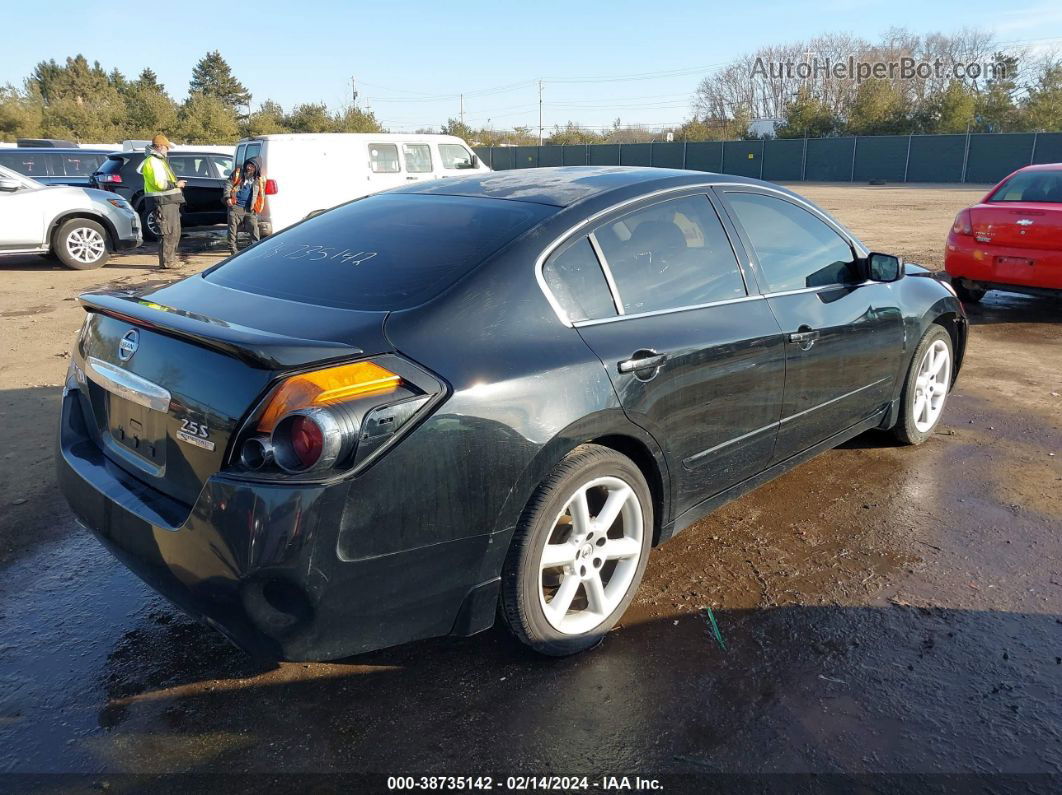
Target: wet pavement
(880,609)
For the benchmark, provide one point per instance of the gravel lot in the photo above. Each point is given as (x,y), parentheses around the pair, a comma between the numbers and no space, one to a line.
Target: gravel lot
(881,609)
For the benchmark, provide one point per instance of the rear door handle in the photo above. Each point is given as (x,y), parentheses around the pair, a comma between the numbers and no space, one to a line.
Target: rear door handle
(636,363)
(805,337)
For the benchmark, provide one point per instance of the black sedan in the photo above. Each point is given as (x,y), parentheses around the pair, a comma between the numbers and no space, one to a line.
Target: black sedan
(498,390)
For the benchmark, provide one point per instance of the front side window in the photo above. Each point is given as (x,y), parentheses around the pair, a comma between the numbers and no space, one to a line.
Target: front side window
(418,158)
(795,249)
(1031,186)
(575,278)
(81,165)
(671,255)
(383,158)
(455,156)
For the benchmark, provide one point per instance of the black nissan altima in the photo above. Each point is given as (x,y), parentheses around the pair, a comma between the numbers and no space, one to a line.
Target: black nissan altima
(483,395)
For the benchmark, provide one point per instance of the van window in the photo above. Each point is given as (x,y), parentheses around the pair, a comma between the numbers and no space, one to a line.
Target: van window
(383,158)
(418,158)
(32,162)
(455,156)
(77,164)
(383,252)
(251,150)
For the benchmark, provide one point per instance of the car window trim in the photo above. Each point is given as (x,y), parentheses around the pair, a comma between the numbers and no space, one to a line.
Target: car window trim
(692,189)
(656,312)
(602,262)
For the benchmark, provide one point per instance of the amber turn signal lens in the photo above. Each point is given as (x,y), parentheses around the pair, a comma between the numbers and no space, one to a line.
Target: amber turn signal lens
(322,387)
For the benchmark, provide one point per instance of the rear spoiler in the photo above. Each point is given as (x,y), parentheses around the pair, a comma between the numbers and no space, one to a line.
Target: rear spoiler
(258,348)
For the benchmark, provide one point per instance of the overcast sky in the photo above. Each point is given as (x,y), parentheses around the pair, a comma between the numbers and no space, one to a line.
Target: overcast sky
(598,60)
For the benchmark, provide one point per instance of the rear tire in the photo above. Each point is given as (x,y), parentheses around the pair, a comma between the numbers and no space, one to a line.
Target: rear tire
(969,295)
(927,386)
(81,244)
(563,550)
(149,223)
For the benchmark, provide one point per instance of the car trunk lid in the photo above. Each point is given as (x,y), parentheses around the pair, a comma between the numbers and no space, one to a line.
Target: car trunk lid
(168,382)
(1026,225)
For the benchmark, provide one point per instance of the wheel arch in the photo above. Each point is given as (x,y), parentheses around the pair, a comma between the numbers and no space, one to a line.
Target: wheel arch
(88,215)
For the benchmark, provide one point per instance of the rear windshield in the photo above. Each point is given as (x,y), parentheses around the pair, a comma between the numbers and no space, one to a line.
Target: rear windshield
(111,165)
(382,252)
(1031,186)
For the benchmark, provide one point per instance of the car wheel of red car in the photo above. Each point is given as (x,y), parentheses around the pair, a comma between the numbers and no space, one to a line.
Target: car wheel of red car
(969,295)
(579,552)
(926,388)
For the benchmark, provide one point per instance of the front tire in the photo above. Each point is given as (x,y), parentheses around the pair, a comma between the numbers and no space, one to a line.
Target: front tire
(579,552)
(926,389)
(149,222)
(81,244)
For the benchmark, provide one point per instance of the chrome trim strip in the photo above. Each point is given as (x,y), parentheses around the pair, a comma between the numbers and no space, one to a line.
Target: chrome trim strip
(562,316)
(694,459)
(127,385)
(607,270)
(655,312)
(818,289)
(791,417)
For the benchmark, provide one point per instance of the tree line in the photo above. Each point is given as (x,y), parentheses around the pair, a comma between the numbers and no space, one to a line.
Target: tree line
(83,102)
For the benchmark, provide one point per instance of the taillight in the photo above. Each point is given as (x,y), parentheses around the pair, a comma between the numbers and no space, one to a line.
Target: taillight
(335,419)
(963,224)
(104,179)
(271,187)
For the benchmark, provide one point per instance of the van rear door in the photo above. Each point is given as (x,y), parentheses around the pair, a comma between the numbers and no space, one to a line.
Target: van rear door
(385,166)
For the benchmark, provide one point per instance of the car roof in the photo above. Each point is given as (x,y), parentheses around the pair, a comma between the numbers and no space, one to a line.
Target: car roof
(356,137)
(173,152)
(61,150)
(566,185)
(1043,167)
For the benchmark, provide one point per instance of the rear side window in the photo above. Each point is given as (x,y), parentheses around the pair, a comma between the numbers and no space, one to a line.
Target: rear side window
(1031,186)
(190,166)
(795,249)
(455,156)
(387,251)
(575,278)
(80,165)
(383,158)
(32,162)
(112,165)
(418,158)
(223,165)
(671,255)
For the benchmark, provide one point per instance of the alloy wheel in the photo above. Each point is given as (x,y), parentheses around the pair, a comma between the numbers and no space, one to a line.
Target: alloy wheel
(591,555)
(86,245)
(931,386)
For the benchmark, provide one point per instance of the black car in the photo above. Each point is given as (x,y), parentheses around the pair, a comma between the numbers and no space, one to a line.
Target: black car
(54,165)
(500,389)
(205,173)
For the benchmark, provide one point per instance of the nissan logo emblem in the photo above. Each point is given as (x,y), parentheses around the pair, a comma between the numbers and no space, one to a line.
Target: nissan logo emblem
(128,344)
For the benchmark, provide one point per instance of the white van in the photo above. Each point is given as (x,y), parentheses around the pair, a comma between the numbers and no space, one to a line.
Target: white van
(309,172)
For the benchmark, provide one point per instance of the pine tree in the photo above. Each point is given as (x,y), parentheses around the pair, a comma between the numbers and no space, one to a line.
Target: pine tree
(212,77)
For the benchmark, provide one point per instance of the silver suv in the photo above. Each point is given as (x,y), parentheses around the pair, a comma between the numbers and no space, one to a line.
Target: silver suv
(80,226)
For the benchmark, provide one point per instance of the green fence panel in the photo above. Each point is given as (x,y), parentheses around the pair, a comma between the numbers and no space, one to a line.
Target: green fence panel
(526,156)
(1048,148)
(484,154)
(502,157)
(704,155)
(635,155)
(829,159)
(742,158)
(936,158)
(668,155)
(604,155)
(574,155)
(993,156)
(881,157)
(551,156)
(782,159)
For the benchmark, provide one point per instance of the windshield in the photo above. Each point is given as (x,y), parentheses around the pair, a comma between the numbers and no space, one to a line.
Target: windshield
(383,252)
(7,173)
(1031,186)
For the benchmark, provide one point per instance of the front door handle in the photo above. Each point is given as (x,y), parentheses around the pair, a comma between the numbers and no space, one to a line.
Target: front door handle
(804,336)
(636,362)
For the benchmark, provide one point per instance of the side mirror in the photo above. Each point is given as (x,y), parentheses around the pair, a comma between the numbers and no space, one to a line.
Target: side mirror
(473,162)
(9,185)
(883,267)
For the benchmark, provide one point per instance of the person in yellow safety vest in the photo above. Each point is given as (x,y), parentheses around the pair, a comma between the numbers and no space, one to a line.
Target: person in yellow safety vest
(163,187)
(245,196)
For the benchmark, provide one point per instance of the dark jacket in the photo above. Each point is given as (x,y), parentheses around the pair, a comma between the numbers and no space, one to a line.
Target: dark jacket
(232,186)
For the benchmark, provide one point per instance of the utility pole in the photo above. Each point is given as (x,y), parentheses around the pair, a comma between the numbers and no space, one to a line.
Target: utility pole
(540,113)
(354,91)
(462,110)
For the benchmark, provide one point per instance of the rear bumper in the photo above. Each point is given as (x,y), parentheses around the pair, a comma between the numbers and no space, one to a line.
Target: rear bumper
(965,258)
(259,563)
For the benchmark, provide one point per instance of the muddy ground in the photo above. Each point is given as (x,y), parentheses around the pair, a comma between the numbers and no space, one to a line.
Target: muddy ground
(880,609)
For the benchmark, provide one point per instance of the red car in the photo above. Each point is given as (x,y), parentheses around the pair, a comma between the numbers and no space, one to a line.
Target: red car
(1012,239)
